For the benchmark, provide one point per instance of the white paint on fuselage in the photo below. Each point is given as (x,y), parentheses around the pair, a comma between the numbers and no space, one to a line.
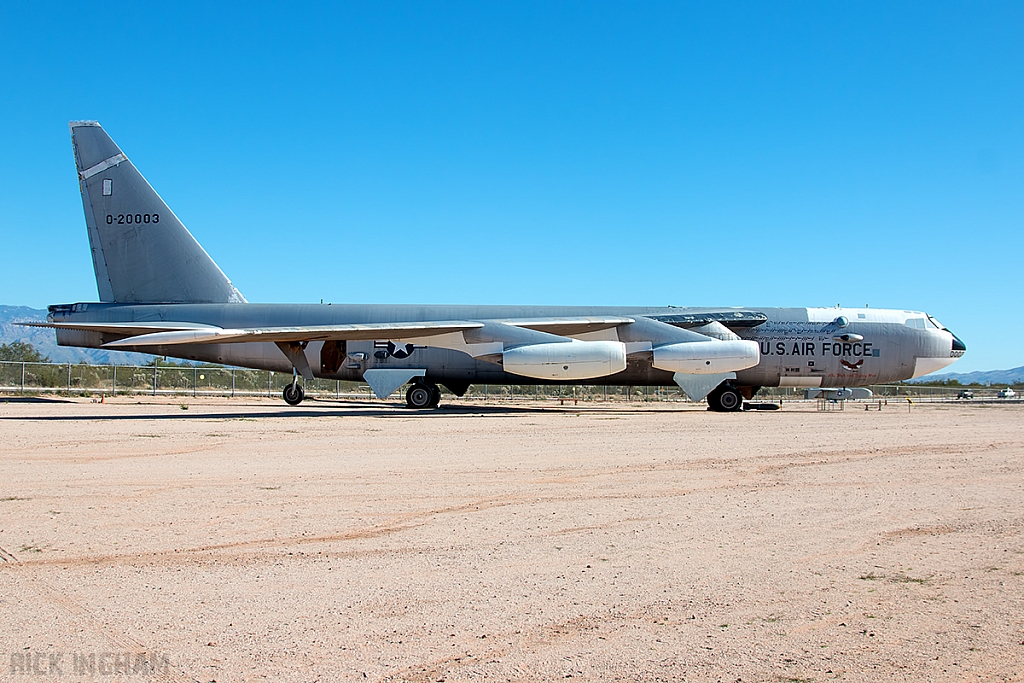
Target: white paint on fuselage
(800,381)
(884,345)
(925,366)
(862,315)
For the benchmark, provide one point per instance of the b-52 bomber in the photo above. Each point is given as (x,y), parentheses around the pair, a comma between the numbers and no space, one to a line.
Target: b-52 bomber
(161,293)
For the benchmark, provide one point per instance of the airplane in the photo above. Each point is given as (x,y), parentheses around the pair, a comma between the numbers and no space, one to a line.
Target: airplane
(161,293)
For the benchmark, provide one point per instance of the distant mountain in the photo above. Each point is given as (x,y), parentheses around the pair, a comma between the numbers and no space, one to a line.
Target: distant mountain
(1011,376)
(45,341)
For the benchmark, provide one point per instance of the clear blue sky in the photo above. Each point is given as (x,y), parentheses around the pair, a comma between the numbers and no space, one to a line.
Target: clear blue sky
(558,152)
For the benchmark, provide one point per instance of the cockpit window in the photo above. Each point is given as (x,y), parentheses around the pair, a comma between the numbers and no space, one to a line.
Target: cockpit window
(916,323)
(936,323)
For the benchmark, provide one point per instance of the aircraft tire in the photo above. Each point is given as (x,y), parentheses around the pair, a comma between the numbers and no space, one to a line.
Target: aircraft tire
(420,396)
(293,394)
(725,399)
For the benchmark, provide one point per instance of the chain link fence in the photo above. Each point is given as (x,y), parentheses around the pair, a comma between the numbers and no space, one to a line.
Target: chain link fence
(173,380)
(87,379)
(82,379)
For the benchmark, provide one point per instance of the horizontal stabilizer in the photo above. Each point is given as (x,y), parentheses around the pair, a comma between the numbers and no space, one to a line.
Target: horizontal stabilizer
(209,335)
(121,328)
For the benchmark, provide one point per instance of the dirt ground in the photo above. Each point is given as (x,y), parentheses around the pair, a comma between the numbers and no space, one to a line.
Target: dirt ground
(244,540)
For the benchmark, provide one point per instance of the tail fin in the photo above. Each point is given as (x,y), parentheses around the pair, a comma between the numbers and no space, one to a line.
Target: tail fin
(140,250)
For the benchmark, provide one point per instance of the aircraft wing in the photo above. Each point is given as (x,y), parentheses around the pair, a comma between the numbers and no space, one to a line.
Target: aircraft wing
(567,327)
(166,333)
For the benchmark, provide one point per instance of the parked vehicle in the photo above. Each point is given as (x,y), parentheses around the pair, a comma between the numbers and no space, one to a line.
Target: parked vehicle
(966,394)
(1007,393)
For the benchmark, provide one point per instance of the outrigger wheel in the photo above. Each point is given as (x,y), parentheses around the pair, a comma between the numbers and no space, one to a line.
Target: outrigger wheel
(422,395)
(293,394)
(725,399)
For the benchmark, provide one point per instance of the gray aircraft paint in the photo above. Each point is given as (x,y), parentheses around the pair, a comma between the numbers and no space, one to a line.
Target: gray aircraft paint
(121,212)
(898,346)
(153,272)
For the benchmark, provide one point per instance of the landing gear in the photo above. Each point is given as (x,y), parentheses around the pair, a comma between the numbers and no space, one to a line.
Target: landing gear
(725,399)
(423,395)
(293,394)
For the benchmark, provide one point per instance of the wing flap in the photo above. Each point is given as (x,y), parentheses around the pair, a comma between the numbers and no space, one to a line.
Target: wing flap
(353,332)
(569,326)
(171,333)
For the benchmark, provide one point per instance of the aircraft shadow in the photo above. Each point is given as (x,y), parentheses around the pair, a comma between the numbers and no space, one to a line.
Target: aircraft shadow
(349,410)
(33,399)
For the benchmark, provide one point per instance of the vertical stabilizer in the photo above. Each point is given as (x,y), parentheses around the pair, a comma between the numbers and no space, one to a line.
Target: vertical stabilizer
(140,250)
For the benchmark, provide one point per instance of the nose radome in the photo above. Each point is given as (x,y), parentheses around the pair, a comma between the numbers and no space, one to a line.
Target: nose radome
(958,347)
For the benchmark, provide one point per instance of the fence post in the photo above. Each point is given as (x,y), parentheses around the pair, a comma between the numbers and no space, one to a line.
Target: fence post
(23,377)
(270,394)
(195,380)
(69,378)
(232,383)
(155,366)
(113,382)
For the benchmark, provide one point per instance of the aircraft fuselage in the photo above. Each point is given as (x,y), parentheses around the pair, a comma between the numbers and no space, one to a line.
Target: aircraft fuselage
(799,347)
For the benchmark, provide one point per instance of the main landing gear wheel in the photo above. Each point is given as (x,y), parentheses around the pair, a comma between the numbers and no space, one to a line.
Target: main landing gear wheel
(422,395)
(725,399)
(293,394)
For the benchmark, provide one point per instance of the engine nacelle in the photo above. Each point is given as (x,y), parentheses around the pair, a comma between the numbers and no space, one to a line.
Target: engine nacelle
(707,357)
(566,360)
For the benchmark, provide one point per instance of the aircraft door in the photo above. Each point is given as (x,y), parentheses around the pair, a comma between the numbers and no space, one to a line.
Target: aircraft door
(332,355)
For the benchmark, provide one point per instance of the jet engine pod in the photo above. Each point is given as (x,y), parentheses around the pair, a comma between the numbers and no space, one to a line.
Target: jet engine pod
(566,360)
(707,357)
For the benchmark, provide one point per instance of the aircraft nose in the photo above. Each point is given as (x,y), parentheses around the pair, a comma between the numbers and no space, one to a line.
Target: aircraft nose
(958,346)
(933,355)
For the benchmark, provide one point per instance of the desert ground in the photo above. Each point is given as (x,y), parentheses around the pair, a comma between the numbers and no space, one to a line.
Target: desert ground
(242,540)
